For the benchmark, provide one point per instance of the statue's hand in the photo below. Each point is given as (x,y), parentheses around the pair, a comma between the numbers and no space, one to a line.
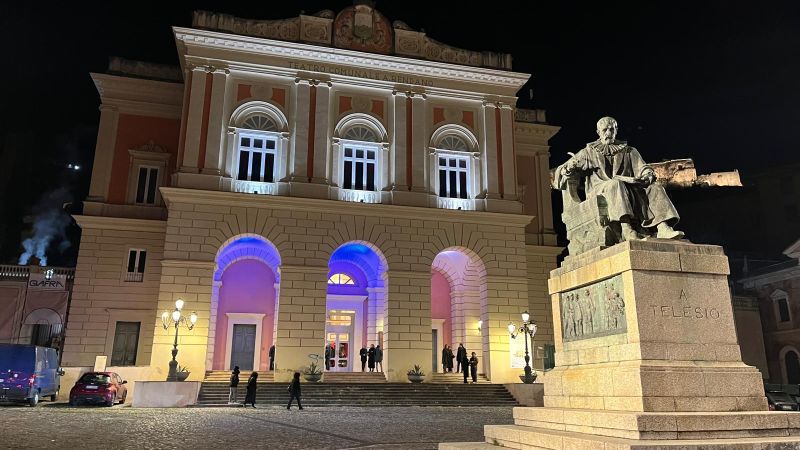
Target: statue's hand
(648,178)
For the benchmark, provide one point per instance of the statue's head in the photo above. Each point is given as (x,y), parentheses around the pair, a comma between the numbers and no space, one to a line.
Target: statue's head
(607,129)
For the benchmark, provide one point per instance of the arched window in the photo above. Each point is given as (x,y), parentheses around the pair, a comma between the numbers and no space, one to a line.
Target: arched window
(257,149)
(455,168)
(360,158)
(341,279)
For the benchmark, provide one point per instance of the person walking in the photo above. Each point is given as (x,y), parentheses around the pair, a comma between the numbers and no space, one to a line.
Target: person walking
(465,367)
(379,358)
(363,354)
(250,394)
(371,357)
(234,386)
(294,391)
(473,368)
(272,357)
(460,356)
(445,358)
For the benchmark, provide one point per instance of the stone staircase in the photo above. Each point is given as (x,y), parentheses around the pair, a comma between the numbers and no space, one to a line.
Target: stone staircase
(453,377)
(224,376)
(361,389)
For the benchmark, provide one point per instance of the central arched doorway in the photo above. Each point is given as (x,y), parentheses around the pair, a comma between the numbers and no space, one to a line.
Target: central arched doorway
(354,317)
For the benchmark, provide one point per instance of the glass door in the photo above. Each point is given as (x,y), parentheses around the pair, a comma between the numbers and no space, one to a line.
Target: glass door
(339,332)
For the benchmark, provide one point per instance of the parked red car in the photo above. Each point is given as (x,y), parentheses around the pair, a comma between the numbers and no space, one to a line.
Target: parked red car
(99,387)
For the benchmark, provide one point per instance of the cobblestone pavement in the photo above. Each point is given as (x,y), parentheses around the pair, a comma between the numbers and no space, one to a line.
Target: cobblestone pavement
(396,428)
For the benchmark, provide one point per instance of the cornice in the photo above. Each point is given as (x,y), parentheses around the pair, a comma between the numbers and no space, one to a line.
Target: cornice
(188,37)
(138,96)
(119,223)
(171,194)
(535,129)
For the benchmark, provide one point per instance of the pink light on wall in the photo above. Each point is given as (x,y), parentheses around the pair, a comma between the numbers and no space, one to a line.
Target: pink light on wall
(248,286)
(440,304)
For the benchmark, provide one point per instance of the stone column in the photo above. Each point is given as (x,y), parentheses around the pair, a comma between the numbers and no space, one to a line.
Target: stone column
(298,154)
(212,324)
(217,128)
(399,142)
(419,144)
(104,153)
(375,310)
(507,140)
(301,319)
(489,156)
(190,281)
(321,137)
(407,334)
(194,120)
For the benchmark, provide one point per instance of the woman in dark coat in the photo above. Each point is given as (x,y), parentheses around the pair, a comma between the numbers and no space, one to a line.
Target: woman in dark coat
(445,358)
(371,358)
(294,391)
(450,358)
(250,395)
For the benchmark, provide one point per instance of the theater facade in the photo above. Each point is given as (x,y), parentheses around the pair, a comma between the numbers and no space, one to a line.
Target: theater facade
(333,178)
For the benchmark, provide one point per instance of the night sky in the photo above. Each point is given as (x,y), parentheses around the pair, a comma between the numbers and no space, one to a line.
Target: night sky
(718,81)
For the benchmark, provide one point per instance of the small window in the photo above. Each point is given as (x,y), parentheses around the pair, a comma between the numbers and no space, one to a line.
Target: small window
(126,341)
(783,309)
(341,278)
(136,263)
(147,185)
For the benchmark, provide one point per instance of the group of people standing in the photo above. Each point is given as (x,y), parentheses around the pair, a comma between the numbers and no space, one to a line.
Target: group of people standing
(467,365)
(372,357)
(250,392)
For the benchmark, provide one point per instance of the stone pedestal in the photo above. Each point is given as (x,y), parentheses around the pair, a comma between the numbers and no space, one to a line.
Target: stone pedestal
(165,394)
(647,357)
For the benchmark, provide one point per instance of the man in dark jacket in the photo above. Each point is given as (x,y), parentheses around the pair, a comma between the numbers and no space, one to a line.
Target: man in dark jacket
(272,357)
(460,356)
(465,367)
(379,359)
(234,386)
(363,353)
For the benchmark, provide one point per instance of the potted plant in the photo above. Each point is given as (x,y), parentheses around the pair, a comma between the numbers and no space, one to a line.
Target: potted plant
(182,373)
(416,375)
(312,373)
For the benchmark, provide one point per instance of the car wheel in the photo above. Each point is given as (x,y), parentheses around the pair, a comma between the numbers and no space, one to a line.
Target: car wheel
(33,401)
(122,402)
(112,401)
(54,396)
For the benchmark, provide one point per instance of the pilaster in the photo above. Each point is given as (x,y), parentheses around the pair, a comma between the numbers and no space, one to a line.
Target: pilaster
(104,153)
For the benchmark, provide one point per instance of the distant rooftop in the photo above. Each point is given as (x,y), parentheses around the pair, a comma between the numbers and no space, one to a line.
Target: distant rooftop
(358,27)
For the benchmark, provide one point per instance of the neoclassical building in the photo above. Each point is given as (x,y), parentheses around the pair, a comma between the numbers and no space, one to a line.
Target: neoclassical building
(326,179)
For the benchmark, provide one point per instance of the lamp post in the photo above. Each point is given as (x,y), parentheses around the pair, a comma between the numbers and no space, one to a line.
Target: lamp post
(528,328)
(176,319)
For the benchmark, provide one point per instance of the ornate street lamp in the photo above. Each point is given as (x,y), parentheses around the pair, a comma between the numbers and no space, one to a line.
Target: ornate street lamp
(176,319)
(528,328)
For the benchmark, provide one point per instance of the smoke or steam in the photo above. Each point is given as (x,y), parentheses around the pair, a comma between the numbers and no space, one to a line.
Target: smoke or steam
(49,224)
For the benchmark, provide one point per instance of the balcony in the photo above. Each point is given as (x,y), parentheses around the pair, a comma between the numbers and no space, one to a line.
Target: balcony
(134,277)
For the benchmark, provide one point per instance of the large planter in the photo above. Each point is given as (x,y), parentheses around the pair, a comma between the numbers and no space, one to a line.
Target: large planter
(312,377)
(182,376)
(415,378)
(529,379)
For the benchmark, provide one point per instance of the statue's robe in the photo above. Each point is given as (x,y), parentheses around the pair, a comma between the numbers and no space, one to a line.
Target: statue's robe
(608,170)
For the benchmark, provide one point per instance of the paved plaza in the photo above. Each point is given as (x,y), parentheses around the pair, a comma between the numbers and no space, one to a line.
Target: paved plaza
(408,428)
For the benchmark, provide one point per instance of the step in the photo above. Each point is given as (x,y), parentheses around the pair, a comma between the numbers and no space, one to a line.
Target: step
(370,394)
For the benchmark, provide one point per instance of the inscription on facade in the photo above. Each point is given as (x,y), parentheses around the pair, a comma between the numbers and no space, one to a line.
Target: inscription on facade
(593,311)
(361,73)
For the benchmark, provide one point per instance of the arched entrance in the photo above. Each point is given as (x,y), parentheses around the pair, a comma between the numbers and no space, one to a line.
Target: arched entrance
(790,365)
(354,307)
(458,291)
(244,302)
